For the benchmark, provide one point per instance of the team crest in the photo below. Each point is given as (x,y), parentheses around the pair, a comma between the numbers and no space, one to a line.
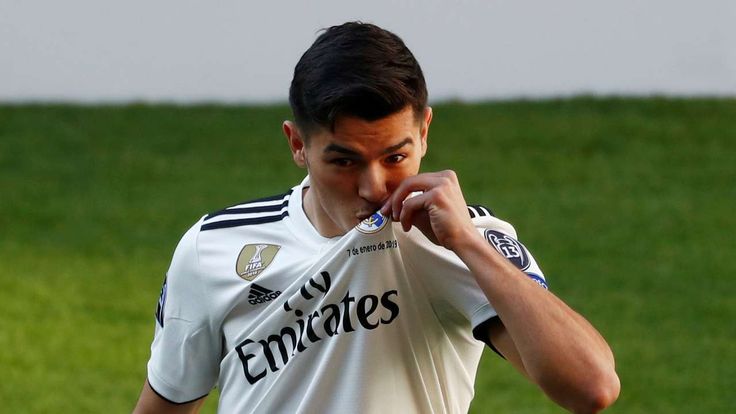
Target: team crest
(509,247)
(255,258)
(372,224)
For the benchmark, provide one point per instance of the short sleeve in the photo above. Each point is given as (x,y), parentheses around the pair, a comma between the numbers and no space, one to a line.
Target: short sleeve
(449,280)
(186,349)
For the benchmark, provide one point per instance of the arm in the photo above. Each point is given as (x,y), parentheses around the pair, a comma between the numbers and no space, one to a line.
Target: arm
(185,353)
(151,403)
(551,344)
(555,346)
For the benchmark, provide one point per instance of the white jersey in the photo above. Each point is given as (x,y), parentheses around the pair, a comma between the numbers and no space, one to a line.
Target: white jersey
(284,320)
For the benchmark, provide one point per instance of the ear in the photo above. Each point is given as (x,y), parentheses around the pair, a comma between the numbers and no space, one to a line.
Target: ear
(296,143)
(424,128)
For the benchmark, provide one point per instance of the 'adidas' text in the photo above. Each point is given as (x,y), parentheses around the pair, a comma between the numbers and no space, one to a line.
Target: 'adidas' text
(259,294)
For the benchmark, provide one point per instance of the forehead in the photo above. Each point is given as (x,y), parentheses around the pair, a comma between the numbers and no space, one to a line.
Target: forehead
(355,132)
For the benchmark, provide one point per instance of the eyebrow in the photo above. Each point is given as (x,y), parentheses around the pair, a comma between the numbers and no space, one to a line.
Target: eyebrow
(348,151)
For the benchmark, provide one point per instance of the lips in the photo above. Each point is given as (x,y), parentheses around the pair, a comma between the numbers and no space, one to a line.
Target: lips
(362,216)
(366,212)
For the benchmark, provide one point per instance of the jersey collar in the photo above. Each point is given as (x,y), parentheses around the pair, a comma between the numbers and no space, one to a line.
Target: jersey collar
(303,228)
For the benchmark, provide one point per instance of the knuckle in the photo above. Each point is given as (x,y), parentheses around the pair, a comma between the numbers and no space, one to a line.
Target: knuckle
(453,176)
(448,177)
(439,196)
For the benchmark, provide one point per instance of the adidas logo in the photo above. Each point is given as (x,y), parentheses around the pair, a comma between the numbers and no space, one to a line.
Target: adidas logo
(259,294)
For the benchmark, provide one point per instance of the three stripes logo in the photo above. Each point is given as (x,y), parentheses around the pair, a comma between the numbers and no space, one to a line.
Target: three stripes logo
(259,294)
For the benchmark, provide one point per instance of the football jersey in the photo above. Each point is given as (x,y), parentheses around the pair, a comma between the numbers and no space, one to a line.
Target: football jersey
(281,319)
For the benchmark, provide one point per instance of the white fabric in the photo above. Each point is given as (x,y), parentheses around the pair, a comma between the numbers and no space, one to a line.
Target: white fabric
(404,345)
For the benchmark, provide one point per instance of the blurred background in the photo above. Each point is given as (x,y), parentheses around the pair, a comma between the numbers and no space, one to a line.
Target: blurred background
(604,131)
(184,51)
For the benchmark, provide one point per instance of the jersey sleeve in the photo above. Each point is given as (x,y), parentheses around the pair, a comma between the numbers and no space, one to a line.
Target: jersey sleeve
(186,349)
(449,281)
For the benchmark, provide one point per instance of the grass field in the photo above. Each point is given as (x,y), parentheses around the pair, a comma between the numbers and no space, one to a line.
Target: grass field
(628,205)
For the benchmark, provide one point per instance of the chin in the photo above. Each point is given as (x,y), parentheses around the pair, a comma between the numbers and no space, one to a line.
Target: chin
(347,223)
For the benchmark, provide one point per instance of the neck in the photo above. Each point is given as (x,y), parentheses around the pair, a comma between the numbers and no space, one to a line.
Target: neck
(317,216)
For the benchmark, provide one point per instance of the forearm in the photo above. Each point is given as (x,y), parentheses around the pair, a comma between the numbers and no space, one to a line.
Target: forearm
(559,349)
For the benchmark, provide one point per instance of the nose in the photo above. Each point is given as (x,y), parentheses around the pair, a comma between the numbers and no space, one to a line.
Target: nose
(372,185)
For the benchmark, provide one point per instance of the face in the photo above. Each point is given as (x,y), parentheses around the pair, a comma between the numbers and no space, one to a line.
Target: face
(354,169)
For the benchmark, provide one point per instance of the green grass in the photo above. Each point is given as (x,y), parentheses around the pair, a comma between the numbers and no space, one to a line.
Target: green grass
(627,204)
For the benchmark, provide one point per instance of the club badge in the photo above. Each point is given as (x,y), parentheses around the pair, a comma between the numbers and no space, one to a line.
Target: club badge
(372,224)
(254,259)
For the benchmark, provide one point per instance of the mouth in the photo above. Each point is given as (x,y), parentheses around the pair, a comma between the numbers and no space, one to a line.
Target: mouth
(365,213)
(363,216)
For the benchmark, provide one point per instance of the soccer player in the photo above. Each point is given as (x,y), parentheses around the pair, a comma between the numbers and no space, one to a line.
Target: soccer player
(367,287)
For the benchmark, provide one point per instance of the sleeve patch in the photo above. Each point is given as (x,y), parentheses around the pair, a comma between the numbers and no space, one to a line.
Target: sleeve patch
(509,247)
(161,304)
(539,279)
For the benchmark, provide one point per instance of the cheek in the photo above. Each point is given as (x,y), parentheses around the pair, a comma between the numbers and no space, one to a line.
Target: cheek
(338,183)
(400,175)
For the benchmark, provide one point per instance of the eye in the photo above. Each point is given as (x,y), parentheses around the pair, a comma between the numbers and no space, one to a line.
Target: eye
(395,158)
(342,162)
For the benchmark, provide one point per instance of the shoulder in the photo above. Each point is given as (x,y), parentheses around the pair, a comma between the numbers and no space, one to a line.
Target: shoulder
(216,239)
(212,231)
(479,211)
(248,213)
(484,218)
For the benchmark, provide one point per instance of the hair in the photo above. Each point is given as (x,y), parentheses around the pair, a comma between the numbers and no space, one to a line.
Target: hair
(355,69)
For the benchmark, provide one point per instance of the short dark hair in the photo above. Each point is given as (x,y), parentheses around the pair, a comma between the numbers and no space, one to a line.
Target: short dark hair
(355,69)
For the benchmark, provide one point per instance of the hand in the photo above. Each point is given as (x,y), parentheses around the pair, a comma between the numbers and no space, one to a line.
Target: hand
(440,211)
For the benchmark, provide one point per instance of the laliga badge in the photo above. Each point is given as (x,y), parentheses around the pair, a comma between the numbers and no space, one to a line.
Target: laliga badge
(372,224)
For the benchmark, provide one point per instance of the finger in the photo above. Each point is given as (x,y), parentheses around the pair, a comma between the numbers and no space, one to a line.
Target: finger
(421,182)
(415,184)
(409,209)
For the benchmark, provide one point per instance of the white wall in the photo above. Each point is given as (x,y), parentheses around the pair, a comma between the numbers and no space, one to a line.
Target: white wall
(99,50)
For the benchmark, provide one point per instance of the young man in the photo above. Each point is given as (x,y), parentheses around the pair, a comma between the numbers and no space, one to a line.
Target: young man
(368,287)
